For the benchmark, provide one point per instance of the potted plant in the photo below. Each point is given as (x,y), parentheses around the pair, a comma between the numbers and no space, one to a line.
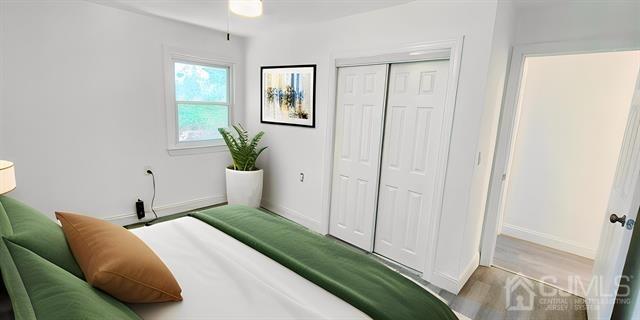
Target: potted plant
(244,180)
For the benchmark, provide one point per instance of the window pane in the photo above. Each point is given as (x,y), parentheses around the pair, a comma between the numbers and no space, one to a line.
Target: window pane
(200,83)
(201,122)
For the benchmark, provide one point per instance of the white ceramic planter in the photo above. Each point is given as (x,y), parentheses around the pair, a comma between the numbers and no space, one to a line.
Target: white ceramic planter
(244,187)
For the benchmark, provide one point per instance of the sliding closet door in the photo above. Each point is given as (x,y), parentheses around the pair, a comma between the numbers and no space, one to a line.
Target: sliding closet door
(411,142)
(356,160)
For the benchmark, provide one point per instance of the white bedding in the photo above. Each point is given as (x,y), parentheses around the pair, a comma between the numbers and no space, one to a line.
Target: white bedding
(221,278)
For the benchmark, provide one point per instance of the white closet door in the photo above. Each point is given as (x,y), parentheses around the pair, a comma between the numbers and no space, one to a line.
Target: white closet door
(411,142)
(356,161)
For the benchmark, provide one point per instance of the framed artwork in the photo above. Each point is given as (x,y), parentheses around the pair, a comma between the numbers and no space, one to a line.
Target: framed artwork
(288,95)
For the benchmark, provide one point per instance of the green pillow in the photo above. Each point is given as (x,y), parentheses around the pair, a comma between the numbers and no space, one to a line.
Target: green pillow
(15,288)
(5,224)
(56,294)
(34,231)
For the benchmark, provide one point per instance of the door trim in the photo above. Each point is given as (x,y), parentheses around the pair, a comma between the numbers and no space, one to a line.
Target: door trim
(508,124)
(404,53)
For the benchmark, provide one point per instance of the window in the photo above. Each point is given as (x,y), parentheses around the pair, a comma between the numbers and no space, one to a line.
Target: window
(199,102)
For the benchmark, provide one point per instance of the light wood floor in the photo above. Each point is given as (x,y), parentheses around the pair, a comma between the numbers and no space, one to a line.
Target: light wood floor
(484,297)
(535,261)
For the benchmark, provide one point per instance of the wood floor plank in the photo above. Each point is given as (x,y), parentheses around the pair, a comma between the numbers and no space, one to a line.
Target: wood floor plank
(564,270)
(484,296)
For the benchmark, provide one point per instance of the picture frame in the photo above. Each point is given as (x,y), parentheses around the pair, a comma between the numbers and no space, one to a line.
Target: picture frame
(288,95)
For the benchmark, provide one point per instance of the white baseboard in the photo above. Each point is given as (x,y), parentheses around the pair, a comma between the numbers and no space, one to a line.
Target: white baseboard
(454,284)
(548,240)
(169,209)
(293,215)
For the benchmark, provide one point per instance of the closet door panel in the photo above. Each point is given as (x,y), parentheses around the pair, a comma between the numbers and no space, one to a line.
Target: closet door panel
(356,162)
(412,133)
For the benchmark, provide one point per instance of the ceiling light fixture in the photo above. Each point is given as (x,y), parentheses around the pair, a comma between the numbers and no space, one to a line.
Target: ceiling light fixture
(246,8)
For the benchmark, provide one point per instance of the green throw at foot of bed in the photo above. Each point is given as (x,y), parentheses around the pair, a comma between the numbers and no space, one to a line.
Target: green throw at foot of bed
(345,272)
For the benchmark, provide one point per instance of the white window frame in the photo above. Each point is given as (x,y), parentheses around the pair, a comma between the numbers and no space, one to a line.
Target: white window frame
(171,56)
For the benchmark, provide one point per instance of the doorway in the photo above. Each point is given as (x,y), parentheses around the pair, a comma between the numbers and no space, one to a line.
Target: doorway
(571,113)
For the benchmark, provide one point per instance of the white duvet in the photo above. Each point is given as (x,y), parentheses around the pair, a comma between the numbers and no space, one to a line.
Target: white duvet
(221,278)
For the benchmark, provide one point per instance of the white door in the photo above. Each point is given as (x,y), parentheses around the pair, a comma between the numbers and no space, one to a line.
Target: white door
(413,127)
(356,160)
(623,201)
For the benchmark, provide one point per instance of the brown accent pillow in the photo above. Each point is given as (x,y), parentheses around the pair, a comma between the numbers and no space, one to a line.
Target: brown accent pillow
(116,261)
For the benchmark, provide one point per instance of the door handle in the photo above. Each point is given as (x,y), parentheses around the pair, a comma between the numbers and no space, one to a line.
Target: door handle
(613,218)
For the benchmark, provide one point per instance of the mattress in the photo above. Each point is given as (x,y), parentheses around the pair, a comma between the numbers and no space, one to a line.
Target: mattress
(221,278)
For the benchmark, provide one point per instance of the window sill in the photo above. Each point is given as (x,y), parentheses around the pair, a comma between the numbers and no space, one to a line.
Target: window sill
(190,150)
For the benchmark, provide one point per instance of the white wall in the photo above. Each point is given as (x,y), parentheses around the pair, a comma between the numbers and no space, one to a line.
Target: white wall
(562,20)
(83,108)
(292,150)
(2,107)
(503,38)
(574,110)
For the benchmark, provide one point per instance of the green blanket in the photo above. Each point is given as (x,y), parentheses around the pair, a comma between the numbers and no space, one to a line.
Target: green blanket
(345,272)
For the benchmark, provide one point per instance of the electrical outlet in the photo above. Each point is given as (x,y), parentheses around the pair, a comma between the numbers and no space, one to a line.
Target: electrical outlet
(147,168)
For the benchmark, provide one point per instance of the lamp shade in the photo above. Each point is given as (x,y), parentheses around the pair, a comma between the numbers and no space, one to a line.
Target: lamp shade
(7,176)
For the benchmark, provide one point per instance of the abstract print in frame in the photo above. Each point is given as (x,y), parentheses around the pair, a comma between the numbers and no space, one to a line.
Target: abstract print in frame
(288,95)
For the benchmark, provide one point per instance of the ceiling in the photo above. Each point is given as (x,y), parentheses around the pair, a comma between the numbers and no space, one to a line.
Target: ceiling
(277,13)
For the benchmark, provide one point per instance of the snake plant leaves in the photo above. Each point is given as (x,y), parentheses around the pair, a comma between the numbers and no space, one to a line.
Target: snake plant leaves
(244,151)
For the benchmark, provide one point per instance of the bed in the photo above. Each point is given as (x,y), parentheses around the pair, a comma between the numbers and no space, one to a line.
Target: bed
(222,278)
(232,262)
